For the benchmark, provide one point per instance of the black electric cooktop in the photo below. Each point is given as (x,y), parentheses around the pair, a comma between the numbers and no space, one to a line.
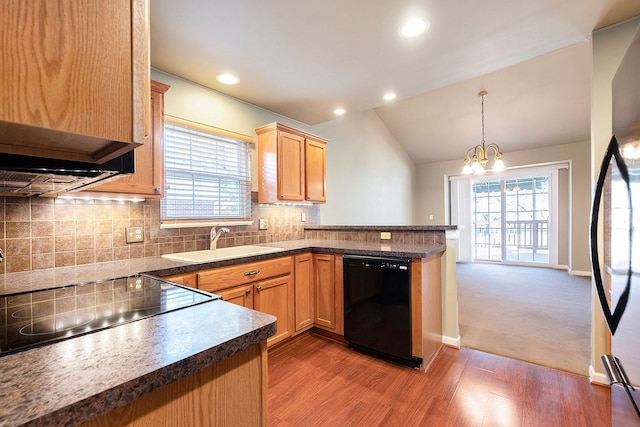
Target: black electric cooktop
(35,318)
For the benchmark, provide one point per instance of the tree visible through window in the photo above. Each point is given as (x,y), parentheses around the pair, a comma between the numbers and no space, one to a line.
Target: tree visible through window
(207,174)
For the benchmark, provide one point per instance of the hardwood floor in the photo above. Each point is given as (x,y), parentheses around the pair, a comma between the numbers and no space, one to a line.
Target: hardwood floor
(314,381)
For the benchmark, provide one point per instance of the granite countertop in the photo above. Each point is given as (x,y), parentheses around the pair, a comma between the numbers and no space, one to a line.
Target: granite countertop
(382,227)
(42,386)
(159,266)
(77,379)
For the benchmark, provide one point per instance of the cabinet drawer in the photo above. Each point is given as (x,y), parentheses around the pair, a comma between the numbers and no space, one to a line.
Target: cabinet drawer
(225,277)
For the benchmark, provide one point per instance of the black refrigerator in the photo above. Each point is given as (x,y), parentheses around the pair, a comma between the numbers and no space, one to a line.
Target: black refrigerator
(616,260)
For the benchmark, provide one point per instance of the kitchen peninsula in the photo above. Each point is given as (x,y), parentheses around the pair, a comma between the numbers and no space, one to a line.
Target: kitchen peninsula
(93,375)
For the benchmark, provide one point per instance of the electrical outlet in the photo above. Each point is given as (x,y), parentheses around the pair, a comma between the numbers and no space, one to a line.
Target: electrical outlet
(303,217)
(431,217)
(133,234)
(263,224)
(134,283)
(385,235)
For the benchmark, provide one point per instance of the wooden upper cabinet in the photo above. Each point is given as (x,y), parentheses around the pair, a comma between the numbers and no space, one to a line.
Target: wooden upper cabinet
(74,78)
(292,165)
(148,180)
(316,170)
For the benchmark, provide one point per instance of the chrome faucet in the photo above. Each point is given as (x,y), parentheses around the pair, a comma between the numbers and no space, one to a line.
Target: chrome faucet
(216,235)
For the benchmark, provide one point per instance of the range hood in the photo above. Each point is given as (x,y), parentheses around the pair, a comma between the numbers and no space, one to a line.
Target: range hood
(38,176)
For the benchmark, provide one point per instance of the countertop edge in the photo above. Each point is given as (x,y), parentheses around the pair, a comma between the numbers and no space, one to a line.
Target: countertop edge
(381,227)
(104,402)
(315,247)
(18,282)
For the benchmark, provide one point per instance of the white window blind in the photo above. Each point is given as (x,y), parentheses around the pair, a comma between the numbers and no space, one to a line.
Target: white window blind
(207,176)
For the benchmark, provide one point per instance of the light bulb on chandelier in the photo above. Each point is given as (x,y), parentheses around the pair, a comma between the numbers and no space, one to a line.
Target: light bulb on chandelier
(477,157)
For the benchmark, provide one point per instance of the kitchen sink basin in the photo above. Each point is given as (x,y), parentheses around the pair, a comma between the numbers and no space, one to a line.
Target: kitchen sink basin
(221,254)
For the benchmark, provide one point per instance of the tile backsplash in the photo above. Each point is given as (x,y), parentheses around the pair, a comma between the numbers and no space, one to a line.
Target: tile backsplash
(38,233)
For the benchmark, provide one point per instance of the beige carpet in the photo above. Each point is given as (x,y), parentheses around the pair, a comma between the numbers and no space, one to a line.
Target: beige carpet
(538,315)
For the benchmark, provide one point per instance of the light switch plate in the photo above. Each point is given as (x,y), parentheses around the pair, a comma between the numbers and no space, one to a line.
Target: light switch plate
(133,234)
(263,224)
(385,235)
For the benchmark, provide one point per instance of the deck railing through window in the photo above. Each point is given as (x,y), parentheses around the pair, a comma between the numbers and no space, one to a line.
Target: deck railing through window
(528,234)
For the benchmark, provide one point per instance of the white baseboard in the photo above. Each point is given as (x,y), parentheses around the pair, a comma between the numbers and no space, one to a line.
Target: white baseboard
(597,378)
(561,267)
(451,342)
(580,273)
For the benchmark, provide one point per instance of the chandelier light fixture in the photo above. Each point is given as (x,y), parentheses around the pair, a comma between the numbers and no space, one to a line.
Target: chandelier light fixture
(478,157)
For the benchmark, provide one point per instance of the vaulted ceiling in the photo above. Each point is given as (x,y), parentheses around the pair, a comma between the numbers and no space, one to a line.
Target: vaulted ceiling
(302,59)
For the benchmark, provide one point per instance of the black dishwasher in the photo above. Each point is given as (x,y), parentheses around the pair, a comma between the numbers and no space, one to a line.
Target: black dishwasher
(377,307)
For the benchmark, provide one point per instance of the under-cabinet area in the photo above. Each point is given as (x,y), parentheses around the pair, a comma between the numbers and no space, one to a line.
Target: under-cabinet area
(306,291)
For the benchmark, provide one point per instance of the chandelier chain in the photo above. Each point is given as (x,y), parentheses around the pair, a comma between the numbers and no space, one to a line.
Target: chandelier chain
(482,119)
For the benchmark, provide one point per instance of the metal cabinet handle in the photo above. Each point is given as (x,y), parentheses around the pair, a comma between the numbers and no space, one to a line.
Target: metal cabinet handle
(251,273)
(258,288)
(248,291)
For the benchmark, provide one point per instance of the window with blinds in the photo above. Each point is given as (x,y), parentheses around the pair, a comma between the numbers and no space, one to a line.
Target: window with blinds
(207,175)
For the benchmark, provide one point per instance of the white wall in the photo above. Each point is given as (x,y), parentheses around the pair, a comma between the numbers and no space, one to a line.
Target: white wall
(370,178)
(190,101)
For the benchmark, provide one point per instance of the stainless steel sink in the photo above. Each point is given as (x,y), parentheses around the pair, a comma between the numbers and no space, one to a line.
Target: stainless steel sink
(222,253)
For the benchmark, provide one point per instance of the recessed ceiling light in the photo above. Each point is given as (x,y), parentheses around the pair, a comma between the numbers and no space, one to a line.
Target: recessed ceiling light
(414,27)
(227,78)
(389,96)
(339,111)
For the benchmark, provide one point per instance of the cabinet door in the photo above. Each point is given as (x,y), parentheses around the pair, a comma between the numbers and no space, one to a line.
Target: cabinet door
(275,297)
(74,78)
(316,171)
(325,290)
(303,292)
(240,295)
(290,166)
(148,180)
(187,279)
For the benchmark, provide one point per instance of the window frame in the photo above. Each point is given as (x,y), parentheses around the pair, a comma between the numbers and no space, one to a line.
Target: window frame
(215,132)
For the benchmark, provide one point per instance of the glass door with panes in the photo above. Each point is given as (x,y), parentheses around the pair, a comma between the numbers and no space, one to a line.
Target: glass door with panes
(511,220)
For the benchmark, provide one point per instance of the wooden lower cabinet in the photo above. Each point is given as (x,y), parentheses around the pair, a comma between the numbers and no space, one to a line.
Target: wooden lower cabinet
(329,303)
(265,286)
(240,295)
(272,296)
(187,279)
(231,392)
(304,292)
(275,297)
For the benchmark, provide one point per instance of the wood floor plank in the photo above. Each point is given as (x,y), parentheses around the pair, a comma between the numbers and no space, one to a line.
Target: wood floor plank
(317,382)
(503,412)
